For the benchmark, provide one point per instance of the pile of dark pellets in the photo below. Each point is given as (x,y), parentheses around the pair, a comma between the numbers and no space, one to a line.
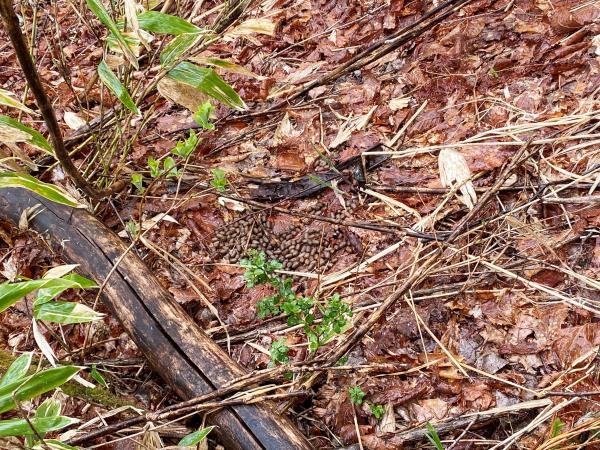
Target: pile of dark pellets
(306,245)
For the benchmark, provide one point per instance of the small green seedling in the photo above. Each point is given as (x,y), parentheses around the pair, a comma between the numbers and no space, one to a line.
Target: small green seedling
(98,376)
(279,353)
(556,428)
(138,181)
(300,310)
(193,439)
(184,149)
(433,437)
(342,361)
(219,180)
(377,410)
(493,73)
(170,168)
(202,116)
(154,166)
(357,395)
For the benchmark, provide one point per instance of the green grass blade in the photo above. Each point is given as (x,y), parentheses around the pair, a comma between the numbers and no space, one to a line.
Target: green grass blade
(433,437)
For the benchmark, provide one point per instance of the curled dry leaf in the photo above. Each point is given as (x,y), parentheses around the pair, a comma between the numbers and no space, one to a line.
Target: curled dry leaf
(399,103)
(252,26)
(285,130)
(132,8)
(351,125)
(231,204)
(388,422)
(455,171)
(73,121)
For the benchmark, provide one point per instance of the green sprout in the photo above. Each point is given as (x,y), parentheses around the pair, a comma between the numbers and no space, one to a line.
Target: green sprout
(219,180)
(356,395)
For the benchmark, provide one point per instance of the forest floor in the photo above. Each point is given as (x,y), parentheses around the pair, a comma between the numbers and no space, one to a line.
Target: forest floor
(483,301)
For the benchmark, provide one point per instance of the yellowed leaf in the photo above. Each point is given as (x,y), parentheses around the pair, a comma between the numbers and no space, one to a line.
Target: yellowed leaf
(181,93)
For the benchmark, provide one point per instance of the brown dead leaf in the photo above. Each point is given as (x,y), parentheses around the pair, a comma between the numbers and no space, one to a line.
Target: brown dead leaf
(181,93)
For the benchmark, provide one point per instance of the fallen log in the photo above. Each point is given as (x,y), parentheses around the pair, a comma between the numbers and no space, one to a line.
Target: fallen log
(190,362)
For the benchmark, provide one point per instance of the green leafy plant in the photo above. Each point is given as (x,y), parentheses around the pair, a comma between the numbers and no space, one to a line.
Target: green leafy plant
(184,149)
(17,386)
(279,353)
(102,14)
(433,437)
(132,228)
(219,179)
(493,73)
(342,361)
(48,191)
(54,283)
(193,439)
(556,427)
(377,410)
(170,168)
(111,81)
(357,395)
(138,181)
(202,116)
(12,127)
(98,376)
(299,309)
(154,165)
(207,81)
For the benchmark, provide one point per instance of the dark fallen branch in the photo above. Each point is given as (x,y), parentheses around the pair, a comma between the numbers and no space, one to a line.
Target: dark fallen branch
(190,362)
(453,424)
(353,169)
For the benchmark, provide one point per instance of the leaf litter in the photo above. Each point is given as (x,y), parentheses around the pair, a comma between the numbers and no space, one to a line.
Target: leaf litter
(514,300)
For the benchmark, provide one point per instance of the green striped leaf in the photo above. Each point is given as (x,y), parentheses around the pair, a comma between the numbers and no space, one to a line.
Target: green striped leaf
(193,439)
(178,47)
(17,370)
(111,81)
(35,385)
(65,313)
(10,293)
(21,427)
(48,191)
(7,98)
(12,130)
(162,23)
(207,81)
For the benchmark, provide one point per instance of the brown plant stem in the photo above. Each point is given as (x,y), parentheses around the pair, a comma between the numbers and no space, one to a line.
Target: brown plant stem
(11,23)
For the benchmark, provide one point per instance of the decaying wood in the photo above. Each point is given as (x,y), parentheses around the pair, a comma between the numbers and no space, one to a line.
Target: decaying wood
(176,348)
